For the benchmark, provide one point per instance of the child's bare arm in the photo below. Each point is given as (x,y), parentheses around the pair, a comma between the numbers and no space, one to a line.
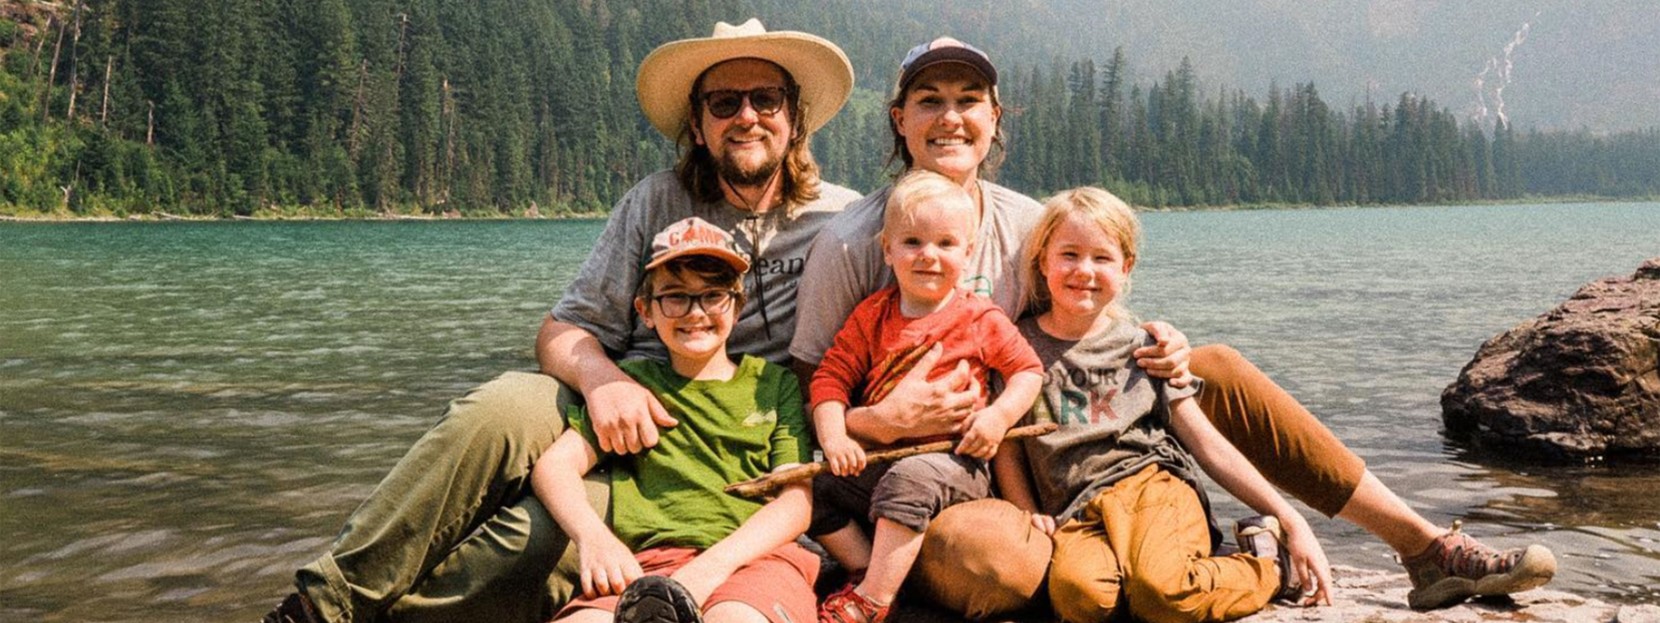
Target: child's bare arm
(1229,468)
(983,430)
(607,565)
(779,522)
(1009,468)
(846,457)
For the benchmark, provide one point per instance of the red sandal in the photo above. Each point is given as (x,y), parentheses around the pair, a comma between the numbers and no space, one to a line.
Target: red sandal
(848,606)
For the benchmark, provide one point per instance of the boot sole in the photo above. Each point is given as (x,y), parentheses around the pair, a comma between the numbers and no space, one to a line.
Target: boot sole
(1535,569)
(657,599)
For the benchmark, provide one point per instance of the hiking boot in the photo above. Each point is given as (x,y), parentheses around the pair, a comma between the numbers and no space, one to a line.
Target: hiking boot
(295,608)
(1456,567)
(1261,536)
(657,599)
(848,606)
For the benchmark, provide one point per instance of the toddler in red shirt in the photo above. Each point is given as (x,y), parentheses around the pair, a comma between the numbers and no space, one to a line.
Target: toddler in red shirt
(929,229)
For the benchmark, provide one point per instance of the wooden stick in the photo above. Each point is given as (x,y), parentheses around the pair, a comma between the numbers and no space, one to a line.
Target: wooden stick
(769,484)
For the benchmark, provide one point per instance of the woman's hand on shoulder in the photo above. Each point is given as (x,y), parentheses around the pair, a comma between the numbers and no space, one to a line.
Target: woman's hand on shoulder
(1169,357)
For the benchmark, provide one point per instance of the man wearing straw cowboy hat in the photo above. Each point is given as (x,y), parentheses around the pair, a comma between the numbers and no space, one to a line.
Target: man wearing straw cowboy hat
(453,532)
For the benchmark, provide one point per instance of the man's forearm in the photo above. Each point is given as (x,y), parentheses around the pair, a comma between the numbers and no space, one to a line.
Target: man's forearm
(868,426)
(572,355)
(862,423)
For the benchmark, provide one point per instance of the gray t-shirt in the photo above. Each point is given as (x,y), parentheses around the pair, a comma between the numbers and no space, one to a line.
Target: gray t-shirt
(845,264)
(601,298)
(1114,419)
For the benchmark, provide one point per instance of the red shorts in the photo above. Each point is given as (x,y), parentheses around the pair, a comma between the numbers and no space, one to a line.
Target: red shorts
(779,585)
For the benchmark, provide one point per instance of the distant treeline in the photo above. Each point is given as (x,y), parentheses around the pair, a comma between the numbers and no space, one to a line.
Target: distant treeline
(237,107)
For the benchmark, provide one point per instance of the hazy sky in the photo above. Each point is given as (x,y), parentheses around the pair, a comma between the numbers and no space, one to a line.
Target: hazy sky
(1553,64)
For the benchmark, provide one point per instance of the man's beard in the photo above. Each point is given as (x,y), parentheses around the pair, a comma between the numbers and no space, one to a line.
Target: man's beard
(739,175)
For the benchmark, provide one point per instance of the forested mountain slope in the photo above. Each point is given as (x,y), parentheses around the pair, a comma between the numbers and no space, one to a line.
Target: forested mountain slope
(488,107)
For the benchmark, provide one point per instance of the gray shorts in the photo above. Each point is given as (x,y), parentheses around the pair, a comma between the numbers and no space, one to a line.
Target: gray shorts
(910,491)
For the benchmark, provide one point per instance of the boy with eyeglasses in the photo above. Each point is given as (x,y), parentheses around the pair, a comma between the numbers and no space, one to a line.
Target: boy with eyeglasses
(725,557)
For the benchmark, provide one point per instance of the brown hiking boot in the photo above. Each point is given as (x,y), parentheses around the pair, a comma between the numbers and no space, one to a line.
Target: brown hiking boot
(1456,567)
(295,608)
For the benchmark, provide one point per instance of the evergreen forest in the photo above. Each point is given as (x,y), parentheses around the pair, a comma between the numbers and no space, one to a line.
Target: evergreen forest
(497,107)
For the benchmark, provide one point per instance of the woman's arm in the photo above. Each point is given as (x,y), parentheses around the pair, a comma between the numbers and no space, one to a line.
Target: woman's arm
(607,565)
(918,407)
(1229,468)
(779,522)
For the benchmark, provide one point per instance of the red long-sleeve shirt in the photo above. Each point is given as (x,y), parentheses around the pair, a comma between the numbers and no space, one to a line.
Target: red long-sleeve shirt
(878,345)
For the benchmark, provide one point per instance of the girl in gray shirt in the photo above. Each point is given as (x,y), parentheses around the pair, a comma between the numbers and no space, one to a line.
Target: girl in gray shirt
(1115,485)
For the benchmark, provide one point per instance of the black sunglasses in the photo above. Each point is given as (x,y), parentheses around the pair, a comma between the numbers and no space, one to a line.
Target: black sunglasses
(679,304)
(725,103)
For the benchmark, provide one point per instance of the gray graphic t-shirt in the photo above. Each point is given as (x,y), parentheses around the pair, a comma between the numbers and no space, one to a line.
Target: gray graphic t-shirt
(1114,419)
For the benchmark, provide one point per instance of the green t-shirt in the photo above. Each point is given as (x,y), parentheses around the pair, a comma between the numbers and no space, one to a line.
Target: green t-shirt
(671,495)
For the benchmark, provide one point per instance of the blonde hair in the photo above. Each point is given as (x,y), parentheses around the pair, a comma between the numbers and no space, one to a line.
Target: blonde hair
(919,187)
(1095,205)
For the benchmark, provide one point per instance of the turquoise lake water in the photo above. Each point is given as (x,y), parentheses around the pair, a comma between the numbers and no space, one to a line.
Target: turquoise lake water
(188,411)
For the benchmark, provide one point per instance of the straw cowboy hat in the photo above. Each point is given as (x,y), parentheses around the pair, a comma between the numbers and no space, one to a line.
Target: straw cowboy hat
(819,67)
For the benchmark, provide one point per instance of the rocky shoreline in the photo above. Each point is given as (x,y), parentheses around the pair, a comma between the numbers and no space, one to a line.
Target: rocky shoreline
(1378,596)
(1374,596)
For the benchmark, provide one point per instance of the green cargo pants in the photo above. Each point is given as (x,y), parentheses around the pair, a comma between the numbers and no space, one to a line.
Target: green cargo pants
(454,533)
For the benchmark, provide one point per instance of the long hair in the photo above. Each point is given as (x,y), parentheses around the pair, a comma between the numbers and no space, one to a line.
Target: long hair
(799,178)
(1095,205)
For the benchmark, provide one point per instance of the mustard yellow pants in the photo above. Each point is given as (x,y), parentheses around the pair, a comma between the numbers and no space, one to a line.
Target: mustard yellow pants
(984,560)
(1142,545)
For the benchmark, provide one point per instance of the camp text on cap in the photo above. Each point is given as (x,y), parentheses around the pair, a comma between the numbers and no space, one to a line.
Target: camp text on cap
(695,236)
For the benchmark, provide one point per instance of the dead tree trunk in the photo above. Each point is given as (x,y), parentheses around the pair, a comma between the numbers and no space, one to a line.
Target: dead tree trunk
(447,111)
(51,78)
(150,124)
(104,111)
(74,65)
(40,46)
(357,111)
(403,31)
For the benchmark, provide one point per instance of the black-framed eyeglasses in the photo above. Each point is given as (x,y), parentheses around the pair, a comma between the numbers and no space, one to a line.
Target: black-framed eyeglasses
(725,103)
(678,304)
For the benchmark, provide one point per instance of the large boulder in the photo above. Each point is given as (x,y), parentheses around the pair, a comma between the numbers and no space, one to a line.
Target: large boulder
(1579,383)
